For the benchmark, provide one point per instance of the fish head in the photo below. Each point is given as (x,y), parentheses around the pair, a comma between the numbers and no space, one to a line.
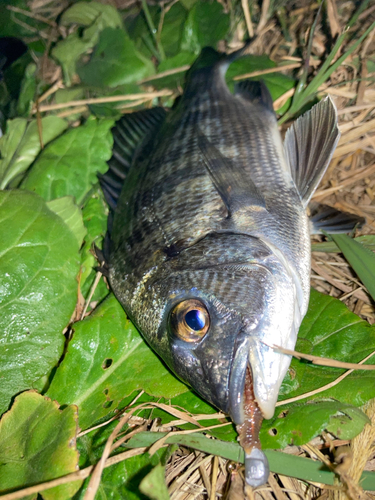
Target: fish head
(226,301)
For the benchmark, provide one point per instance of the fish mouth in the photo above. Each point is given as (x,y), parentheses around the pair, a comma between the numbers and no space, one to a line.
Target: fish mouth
(267,369)
(247,415)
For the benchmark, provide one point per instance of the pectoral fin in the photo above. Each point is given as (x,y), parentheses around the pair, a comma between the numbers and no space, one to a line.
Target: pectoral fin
(309,145)
(236,189)
(129,134)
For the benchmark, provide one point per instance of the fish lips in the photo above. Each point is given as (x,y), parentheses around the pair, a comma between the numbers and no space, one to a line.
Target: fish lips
(267,370)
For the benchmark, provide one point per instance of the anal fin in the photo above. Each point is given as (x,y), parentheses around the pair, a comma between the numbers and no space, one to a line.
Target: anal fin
(330,220)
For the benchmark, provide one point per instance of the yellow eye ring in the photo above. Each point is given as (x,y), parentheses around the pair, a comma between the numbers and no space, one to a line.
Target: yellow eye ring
(190,320)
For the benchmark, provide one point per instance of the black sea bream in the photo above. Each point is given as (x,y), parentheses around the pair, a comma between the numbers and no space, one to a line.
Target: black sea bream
(210,241)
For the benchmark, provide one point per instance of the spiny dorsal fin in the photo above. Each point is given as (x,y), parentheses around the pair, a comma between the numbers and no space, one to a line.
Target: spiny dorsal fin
(309,145)
(330,220)
(129,134)
(235,189)
(255,92)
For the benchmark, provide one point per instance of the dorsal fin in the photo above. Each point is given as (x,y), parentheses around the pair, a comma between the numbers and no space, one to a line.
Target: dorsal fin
(235,189)
(255,92)
(309,145)
(129,134)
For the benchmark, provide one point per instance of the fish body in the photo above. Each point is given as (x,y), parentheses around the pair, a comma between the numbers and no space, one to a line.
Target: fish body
(210,241)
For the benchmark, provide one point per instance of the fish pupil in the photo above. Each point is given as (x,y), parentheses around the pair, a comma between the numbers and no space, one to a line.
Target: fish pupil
(195,320)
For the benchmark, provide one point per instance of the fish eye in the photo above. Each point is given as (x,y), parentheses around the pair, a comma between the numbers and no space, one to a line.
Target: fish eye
(190,320)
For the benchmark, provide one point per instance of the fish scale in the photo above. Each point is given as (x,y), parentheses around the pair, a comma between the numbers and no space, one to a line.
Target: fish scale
(209,250)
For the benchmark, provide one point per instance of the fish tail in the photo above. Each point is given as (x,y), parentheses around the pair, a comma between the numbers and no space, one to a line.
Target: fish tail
(210,60)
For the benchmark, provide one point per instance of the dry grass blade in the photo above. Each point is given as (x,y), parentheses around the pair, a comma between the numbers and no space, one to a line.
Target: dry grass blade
(215,468)
(317,360)
(360,294)
(324,387)
(267,71)
(168,72)
(103,100)
(246,11)
(94,483)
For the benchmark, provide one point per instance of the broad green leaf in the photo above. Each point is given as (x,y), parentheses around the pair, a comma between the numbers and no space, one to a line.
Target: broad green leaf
(27,91)
(70,214)
(86,13)
(68,52)
(171,33)
(95,213)
(109,360)
(153,485)
(349,422)
(305,421)
(96,17)
(281,463)
(21,144)
(39,264)
(367,240)
(70,165)
(360,258)
(330,330)
(37,444)
(115,61)
(205,26)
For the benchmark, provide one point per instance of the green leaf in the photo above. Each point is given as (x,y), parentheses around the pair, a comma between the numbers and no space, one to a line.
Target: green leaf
(70,214)
(330,330)
(305,421)
(367,240)
(360,258)
(171,33)
(96,17)
(348,423)
(109,360)
(68,51)
(153,485)
(86,13)
(206,25)
(39,264)
(95,213)
(70,165)
(27,91)
(21,144)
(37,444)
(281,463)
(115,61)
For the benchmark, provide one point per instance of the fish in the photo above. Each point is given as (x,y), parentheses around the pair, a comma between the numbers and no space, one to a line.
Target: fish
(208,246)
